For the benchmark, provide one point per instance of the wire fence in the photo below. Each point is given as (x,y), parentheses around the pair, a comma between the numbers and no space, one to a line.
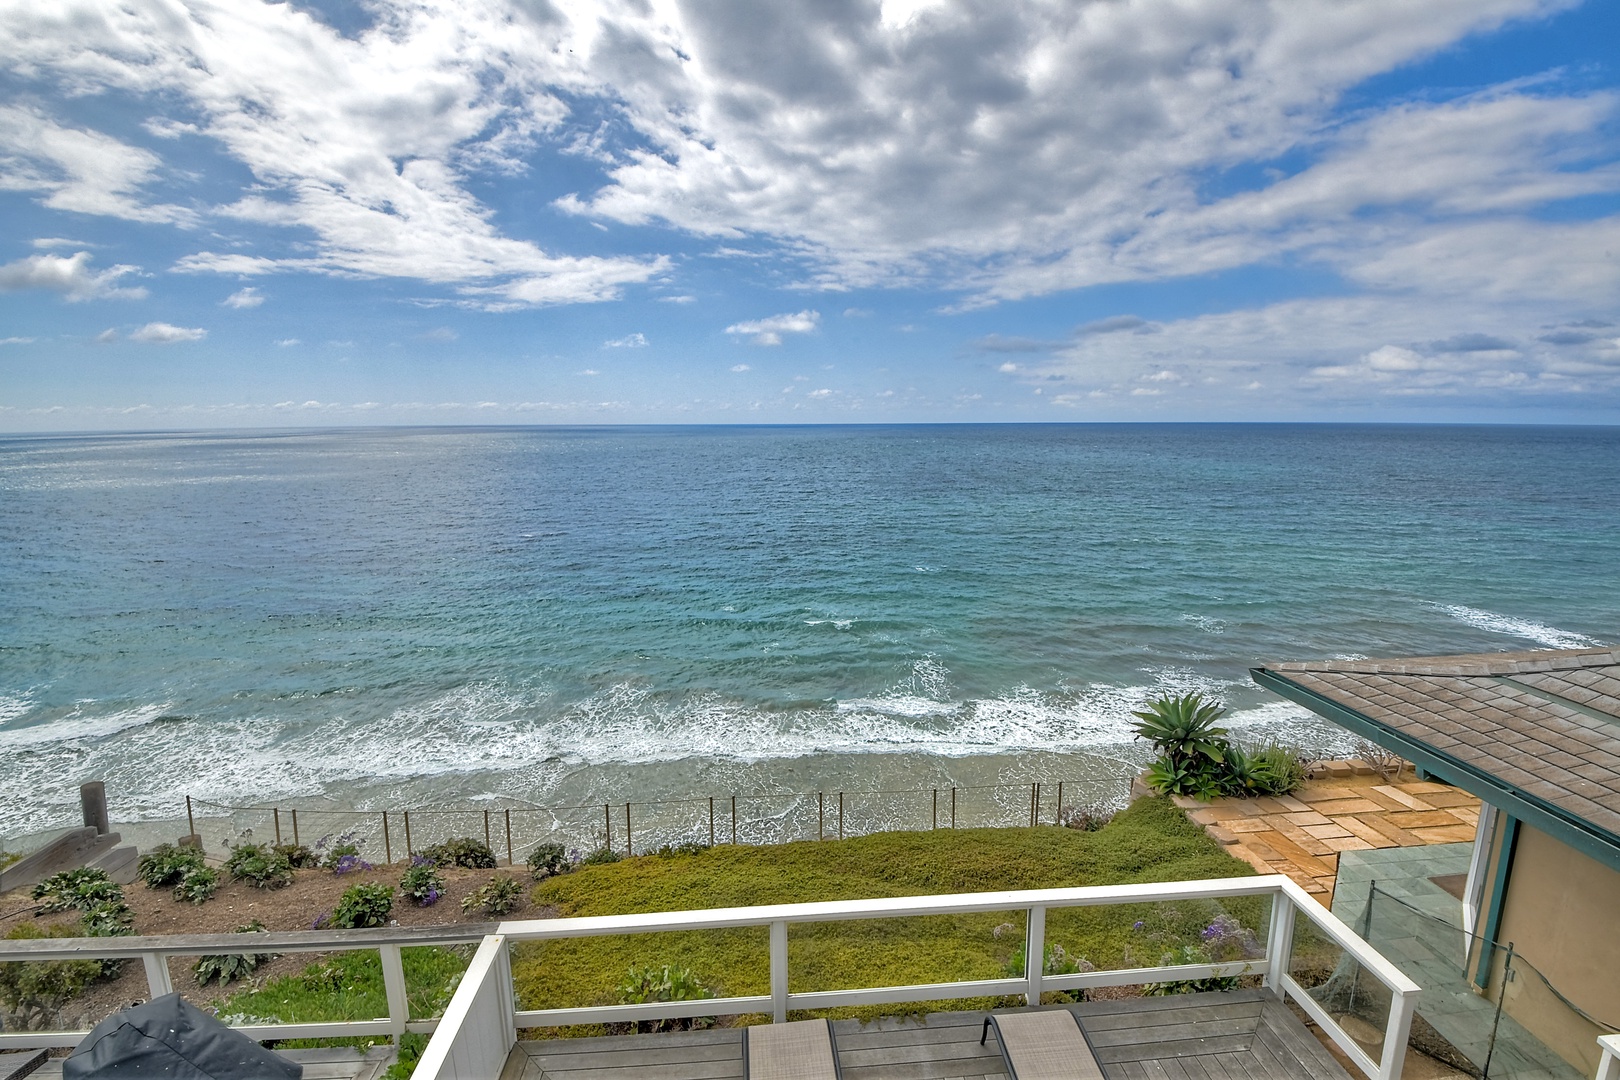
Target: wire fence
(641,826)
(1521,1026)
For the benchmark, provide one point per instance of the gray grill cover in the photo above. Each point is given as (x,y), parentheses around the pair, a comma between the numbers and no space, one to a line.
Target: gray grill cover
(171,1038)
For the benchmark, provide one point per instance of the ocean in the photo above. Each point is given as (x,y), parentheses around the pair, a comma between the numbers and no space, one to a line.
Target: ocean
(384,618)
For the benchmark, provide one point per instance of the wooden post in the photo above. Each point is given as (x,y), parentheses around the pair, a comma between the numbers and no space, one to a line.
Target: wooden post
(734,819)
(953,808)
(408,851)
(191,826)
(1057,818)
(821,815)
(276,813)
(1034,802)
(388,849)
(936,808)
(295,823)
(607,818)
(629,849)
(840,815)
(711,821)
(508,836)
(486,829)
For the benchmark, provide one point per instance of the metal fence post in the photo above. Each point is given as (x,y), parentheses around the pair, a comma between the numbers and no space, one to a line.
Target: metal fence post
(607,823)
(779,972)
(734,819)
(486,830)
(191,826)
(1057,817)
(1034,953)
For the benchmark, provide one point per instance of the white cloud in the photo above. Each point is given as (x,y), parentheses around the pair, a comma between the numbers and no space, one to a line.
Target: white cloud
(441,334)
(590,371)
(17,341)
(681,299)
(287,343)
(106,337)
(629,341)
(822,393)
(739,368)
(769,331)
(1008,368)
(244,298)
(162,333)
(79,170)
(69,275)
(364,142)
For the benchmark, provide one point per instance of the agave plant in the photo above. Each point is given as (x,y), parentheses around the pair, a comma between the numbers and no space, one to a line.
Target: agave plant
(1183,728)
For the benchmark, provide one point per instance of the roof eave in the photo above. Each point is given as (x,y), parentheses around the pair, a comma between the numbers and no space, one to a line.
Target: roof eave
(1578,833)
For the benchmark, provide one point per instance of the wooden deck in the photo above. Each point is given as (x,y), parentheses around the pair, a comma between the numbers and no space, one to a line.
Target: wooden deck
(1233,1036)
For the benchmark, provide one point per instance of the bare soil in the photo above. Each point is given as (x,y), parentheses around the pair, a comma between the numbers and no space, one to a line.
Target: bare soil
(312,894)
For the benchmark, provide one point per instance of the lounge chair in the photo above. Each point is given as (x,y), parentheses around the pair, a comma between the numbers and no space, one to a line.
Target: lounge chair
(802,1050)
(1047,1044)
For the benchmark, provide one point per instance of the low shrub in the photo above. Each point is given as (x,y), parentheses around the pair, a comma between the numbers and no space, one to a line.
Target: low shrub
(228,969)
(1089,818)
(259,865)
(298,856)
(422,883)
(601,857)
(1198,759)
(668,983)
(83,889)
(462,851)
(363,905)
(166,864)
(548,860)
(32,992)
(340,855)
(198,884)
(686,847)
(501,895)
(1055,960)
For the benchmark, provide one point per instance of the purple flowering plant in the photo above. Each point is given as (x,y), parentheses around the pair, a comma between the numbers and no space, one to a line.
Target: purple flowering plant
(422,883)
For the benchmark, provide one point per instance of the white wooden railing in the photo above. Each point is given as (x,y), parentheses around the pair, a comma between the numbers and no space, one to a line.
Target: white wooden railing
(464,1042)
(1609,1066)
(154,954)
(479,1026)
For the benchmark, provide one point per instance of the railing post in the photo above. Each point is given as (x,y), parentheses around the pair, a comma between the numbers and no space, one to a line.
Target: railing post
(607,825)
(1034,953)
(157,974)
(486,831)
(779,972)
(191,826)
(1396,1033)
(628,849)
(393,971)
(1034,802)
(408,851)
(1057,815)
(1280,941)
(1609,1066)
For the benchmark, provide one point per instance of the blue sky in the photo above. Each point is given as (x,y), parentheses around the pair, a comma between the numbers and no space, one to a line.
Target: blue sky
(230,213)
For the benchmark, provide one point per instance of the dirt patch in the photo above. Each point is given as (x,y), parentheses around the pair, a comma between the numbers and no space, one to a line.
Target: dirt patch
(311,896)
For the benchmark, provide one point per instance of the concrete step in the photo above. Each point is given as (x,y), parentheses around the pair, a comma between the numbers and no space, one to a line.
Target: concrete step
(69,851)
(119,862)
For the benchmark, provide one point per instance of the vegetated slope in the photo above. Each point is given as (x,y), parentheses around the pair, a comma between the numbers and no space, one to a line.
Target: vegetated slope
(1149,841)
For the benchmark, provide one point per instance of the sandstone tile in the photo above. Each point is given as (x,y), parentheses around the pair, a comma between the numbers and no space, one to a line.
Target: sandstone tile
(1410,802)
(1330,831)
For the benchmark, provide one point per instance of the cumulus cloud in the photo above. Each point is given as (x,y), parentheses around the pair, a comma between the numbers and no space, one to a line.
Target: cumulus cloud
(69,275)
(244,298)
(740,368)
(16,341)
(77,169)
(769,331)
(629,341)
(162,333)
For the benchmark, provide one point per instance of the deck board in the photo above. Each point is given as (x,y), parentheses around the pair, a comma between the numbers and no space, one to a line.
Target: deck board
(1242,1035)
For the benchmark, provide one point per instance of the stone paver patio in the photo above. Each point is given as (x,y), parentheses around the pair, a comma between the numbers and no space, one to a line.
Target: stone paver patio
(1301,835)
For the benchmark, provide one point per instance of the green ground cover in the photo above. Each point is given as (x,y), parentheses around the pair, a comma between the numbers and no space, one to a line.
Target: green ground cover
(1149,841)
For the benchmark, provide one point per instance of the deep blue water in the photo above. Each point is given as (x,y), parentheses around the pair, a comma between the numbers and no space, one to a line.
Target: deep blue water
(387,616)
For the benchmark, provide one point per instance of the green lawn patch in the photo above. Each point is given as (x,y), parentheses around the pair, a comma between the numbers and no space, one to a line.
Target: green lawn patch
(1149,841)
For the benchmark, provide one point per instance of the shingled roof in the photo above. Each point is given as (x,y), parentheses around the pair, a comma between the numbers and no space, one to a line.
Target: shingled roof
(1536,733)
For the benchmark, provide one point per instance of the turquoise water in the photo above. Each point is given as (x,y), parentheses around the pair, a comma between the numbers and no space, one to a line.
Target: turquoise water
(390,617)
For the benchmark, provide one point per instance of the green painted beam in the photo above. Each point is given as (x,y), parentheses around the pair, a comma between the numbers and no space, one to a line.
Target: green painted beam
(1529,809)
(1493,912)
